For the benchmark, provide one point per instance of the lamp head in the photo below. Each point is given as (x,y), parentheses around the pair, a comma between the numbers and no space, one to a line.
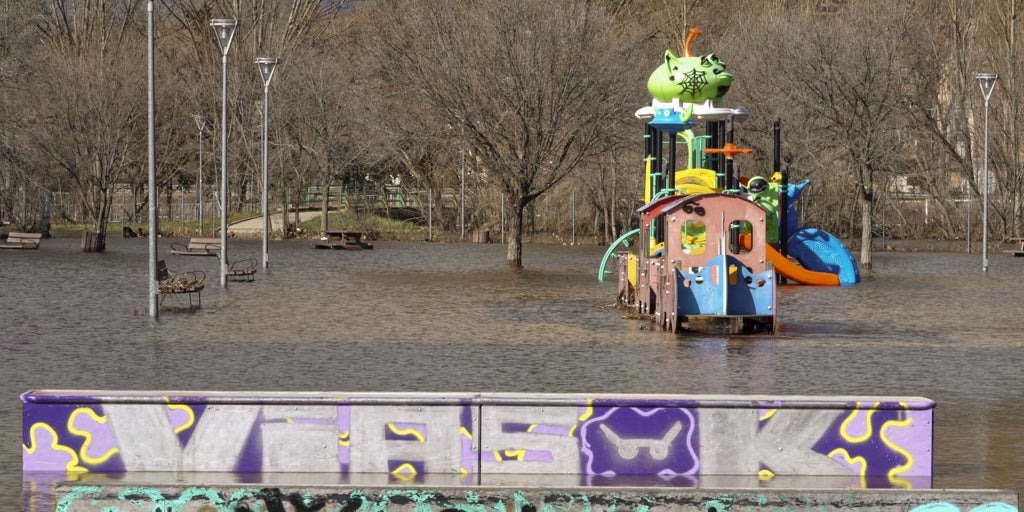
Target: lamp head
(266,65)
(987,81)
(225,31)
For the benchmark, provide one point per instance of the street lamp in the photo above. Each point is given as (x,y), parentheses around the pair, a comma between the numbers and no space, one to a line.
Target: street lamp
(987,81)
(462,196)
(154,228)
(200,123)
(266,65)
(225,30)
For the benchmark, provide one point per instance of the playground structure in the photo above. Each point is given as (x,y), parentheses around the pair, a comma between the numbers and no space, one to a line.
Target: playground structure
(713,245)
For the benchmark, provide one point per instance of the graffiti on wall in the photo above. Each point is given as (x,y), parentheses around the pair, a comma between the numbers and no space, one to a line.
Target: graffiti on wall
(881,443)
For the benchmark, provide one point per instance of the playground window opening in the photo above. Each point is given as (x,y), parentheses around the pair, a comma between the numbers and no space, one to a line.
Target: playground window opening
(694,237)
(740,236)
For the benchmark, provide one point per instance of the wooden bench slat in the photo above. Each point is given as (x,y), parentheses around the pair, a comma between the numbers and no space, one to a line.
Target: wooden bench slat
(171,283)
(16,240)
(197,247)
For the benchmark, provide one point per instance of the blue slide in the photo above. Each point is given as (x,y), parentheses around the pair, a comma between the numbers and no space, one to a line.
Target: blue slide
(822,251)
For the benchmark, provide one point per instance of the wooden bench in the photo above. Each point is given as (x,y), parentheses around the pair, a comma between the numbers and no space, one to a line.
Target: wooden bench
(242,270)
(174,283)
(22,241)
(1019,253)
(197,247)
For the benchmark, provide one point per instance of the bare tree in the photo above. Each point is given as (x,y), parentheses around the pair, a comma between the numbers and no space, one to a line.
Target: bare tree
(853,93)
(319,119)
(1001,33)
(533,85)
(81,122)
(19,176)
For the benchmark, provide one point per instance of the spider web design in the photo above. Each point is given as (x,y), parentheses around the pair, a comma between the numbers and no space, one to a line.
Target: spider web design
(693,81)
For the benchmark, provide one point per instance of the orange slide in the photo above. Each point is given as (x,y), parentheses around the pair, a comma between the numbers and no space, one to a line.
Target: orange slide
(791,270)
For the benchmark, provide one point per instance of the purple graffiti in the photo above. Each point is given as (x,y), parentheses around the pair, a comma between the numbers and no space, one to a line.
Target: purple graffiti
(640,441)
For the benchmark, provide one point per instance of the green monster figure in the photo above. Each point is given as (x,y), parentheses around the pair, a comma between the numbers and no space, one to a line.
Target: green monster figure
(765,194)
(689,79)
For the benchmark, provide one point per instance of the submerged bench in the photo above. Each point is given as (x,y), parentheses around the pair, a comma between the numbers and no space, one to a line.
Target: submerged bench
(175,283)
(197,247)
(22,241)
(242,270)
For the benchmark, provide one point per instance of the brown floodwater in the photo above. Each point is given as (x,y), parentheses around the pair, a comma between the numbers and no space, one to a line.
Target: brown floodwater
(439,317)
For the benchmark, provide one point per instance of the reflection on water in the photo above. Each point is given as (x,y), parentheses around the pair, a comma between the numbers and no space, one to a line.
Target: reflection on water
(451,317)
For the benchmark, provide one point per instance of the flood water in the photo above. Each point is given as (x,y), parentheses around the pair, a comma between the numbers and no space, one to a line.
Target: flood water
(451,318)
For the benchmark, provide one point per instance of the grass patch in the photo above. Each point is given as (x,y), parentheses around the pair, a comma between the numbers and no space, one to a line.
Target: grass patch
(374,227)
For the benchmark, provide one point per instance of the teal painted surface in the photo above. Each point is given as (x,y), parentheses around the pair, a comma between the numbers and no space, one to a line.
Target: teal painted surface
(264,499)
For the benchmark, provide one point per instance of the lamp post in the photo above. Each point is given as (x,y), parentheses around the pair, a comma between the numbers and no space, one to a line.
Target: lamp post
(987,81)
(154,228)
(200,123)
(225,31)
(462,194)
(266,66)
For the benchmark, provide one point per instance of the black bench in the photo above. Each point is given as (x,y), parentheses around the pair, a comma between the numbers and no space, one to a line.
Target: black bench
(174,283)
(242,270)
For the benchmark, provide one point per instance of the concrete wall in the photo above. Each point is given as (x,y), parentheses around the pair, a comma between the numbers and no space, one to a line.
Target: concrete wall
(869,441)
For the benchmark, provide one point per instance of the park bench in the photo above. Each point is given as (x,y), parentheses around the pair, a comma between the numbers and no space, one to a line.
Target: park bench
(242,270)
(197,247)
(176,283)
(22,241)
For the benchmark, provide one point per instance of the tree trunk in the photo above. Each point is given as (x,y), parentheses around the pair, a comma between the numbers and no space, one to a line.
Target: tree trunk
(285,231)
(865,232)
(324,202)
(515,236)
(96,240)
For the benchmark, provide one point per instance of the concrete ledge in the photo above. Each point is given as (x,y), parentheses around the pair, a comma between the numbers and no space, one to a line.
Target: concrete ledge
(81,498)
(195,451)
(879,441)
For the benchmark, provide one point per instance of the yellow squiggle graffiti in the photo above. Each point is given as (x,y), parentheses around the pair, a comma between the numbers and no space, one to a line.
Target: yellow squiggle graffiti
(867,419)
(72,465)
(84,451)
(589,411)
(465,433)
(407,432)
(404,472)
(898,470)
(343,438)
(509,455)
(188,412)
(863,473)
(768,414)
(893,473)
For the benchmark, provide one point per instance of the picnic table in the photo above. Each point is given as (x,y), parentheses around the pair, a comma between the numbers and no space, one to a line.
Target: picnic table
(346,240)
